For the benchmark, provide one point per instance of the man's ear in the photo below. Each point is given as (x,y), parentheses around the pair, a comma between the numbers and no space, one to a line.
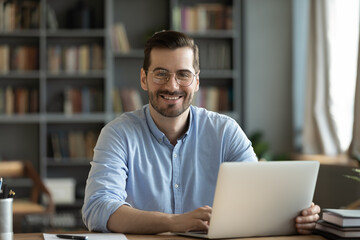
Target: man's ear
(197,82)
(143,80)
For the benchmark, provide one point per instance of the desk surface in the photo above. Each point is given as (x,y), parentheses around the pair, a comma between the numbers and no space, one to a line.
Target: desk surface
(39,236)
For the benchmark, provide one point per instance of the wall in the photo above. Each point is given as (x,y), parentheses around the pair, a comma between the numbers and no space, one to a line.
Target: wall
(268,71)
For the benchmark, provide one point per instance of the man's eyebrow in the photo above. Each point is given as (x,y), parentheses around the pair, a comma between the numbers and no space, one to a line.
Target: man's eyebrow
(160,68)
(164,69)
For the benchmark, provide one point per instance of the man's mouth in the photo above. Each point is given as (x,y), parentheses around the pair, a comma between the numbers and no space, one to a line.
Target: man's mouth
(171,97)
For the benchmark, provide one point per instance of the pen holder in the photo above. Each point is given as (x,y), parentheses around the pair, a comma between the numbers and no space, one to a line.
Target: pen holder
(6,219)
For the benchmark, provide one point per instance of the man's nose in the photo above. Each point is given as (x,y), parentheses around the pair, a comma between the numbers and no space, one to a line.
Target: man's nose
(172,81)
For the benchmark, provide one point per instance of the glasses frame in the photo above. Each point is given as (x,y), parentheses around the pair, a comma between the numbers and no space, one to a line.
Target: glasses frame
(177,80)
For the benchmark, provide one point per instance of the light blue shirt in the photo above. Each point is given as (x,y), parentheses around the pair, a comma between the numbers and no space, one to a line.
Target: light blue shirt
(135,164)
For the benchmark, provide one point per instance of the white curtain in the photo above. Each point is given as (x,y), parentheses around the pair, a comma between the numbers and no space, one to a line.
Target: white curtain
(355,144)
(327,127)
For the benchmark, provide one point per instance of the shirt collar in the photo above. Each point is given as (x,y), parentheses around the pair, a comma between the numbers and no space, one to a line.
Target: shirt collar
(155,130)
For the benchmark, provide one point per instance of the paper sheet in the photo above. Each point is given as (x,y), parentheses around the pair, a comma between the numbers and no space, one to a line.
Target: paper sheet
(91,236)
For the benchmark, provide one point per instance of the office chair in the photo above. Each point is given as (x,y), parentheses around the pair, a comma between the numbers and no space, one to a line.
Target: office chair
(29,205)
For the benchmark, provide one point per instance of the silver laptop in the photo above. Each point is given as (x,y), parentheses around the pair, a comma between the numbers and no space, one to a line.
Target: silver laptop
(260,199)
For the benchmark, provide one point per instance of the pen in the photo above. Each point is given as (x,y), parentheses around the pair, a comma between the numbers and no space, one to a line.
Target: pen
(11,193)
(1,180)
(72,237)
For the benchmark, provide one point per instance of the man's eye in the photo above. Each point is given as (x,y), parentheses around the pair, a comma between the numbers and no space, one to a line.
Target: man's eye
(161,74)
(184,74)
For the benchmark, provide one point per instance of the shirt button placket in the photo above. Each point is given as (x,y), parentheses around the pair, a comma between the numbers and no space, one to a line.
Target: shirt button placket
(176,181)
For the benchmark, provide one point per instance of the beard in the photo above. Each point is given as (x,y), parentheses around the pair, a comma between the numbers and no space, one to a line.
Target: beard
(170,110)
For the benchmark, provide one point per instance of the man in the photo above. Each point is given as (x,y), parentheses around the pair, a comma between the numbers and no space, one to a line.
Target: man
(155,169)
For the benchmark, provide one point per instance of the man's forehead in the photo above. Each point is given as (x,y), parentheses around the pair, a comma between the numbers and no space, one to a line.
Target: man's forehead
(183,55)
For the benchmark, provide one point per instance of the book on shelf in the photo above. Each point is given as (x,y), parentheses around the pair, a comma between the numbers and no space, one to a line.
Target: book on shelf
(126,100)
(21,100)
(9,100)
(76,145)
(82,100)
(345,232)
(202,17)
(75,59)
(119,38)
(215,54)
(84,56)
(18,100)
(71,59)
(342,217)
(34,101)
(97,56)
(2,101)
(19,15)
(4,58)
(56,146)
(213,98)
(24,58)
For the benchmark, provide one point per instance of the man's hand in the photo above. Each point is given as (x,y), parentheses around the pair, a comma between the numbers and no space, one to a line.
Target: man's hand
(197,220)
(305,223)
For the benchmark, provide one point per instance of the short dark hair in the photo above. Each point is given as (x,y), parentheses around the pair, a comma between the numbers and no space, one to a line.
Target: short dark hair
(171,40)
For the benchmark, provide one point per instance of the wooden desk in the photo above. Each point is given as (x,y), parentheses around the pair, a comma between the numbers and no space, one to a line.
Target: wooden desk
(39,236)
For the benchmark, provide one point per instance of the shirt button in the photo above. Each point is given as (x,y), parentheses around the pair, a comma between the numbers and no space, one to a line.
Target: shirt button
(175,155)
(176,185)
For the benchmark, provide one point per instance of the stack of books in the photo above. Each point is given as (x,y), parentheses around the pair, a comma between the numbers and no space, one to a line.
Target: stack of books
(339,224)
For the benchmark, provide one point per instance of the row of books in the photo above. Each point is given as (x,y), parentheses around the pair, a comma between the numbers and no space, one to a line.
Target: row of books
(19,15)
(18,100)
(83,100)
(19,58)
(126,100)
(75,59)
(203,17)
(215,55)
(339,224)
(77,145)
(119,39)
(216,99)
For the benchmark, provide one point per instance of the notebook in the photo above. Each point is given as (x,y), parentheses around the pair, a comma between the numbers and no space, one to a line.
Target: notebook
(260,198)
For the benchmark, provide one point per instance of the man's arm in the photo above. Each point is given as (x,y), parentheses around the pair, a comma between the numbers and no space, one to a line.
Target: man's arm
(130,220)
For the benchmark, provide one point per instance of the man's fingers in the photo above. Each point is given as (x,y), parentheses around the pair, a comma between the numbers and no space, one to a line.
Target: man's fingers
(307,219)
(305,228)
(314,209)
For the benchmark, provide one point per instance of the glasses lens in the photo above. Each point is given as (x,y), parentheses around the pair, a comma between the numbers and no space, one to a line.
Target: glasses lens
(160,76)
(184,75)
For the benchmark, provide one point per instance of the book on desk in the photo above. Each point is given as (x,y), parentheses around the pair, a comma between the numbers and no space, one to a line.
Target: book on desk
(339,224)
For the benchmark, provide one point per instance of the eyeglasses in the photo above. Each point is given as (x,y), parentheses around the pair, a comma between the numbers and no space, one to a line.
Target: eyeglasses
(183,77)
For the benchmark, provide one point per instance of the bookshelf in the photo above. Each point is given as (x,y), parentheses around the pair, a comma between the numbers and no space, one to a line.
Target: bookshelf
(219,42)
(53,77)
(76,62)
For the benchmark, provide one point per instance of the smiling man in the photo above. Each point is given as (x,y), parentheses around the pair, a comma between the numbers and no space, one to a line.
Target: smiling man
(155,169)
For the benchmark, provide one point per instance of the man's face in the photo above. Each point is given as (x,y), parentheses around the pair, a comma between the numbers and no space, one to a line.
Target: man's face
(170,99)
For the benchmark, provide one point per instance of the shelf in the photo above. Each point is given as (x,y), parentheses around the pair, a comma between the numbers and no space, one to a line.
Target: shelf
(68,162)
(76,33)
(20,118)
(91,74)
(20,74)
(75,118)
(27,33)
(212,74)
(214,34)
